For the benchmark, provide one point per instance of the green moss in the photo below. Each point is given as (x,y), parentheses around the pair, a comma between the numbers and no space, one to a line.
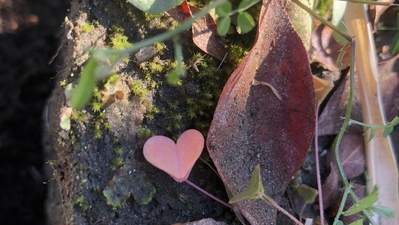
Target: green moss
(150,17)
(236,53)
(112,200)
(63,83)
(146,199)
(118,40)
(160,47)
(119,161)
(87,27)
(97,130)
(151,111)
(77,116)
(144,134)
(96,106)
(138,89)
(72,137)
(81,202)
(111,81)
(118,151)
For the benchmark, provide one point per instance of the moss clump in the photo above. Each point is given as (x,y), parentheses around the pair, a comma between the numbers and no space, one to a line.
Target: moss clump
(118,162)
(138,89)
(100,123)
(77,116)
(144,134)
(111,199)
(117,38)
(160,47)
(81,202)
(111,81)
(87,27)
(236,53)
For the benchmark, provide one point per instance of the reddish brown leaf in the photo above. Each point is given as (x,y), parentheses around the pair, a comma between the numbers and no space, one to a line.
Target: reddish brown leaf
(330,120)
(351,153)
(252,126)
(181,12)
(326,49)
(331,187)
(205,36)
(204,30)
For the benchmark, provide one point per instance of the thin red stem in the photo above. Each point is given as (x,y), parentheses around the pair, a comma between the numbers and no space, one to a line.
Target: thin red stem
(316,155)
(208,194)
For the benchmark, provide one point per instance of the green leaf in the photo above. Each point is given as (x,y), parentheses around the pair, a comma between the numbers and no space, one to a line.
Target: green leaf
(87,81)
(389,127)
(155,6)
(365,203)
(309,194)
(65,120)
(223,10)
(337,20)
(173,77)
(383,211)
(339,222)
(357,222)
(387,131)
(255,189)
(372,134)
(245,22)
(395,44)
(245,4)
(223,25)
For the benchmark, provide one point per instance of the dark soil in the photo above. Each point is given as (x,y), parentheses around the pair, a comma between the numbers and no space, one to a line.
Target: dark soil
(29,36)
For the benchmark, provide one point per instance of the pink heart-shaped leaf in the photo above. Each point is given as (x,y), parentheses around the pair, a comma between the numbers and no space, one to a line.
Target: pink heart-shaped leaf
(175,159)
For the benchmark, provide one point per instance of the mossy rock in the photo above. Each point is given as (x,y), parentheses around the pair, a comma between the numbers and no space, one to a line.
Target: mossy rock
(100,172)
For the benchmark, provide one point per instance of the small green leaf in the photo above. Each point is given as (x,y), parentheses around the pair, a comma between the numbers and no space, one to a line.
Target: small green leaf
(387,131)
(65,120)
(339,222)
(389,127)
(87,81)
(309,194)
(223,10)
(245,22)
(365,203)
(255,189)
(155,6)
(383,211)
(223,25)
(357,222)
(337,20)
(372,134)
(395,44)
(173,77)
(245,4)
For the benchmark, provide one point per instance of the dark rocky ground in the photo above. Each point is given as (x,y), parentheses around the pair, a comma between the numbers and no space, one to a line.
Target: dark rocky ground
(29,36)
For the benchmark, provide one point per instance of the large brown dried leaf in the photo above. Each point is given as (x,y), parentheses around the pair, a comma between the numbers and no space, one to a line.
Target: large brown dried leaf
(351,154)
(252,126)
(353,161)
(330,120)
(331,188)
